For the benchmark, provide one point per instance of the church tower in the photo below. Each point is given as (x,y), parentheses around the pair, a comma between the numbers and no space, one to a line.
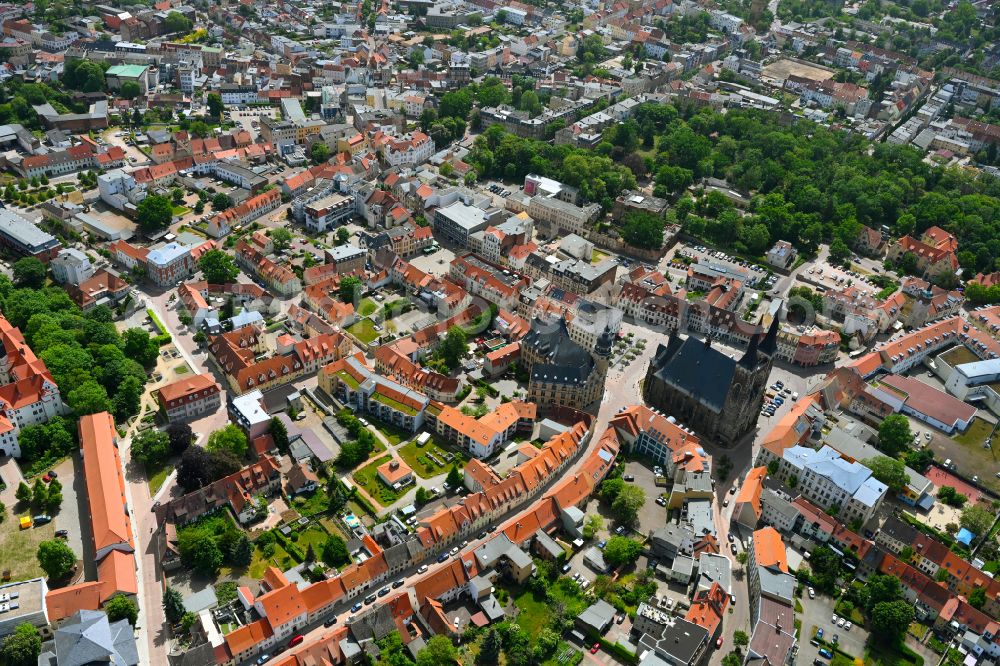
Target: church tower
(746,393)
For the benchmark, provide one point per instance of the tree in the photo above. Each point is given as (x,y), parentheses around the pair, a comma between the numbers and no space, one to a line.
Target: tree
(129,90)
(350,288)
(489,648)
(279,433)
(880,589)
(453,347)
(154,213)
(127,398)
(230,439)
(894,435)
(335,552)
(56,558)
(740,638)
(977,598)
(320,152)
(889,471)
(621,551)
(173,605)
(200,552)
(627,504)
(825,566)
(343,235)
(438,651)
(976,519)
(120,607)
(151,447)
(39,494)
(180,435)
(139,346)
(221,201)
(422,496)
(29,273)
(951,497)
(454,479)
(890,620)
(215,105)
(731,659)
(54,501)
(22,647)
(281,238)
(88,398)
(839,252)
(643,230)
(919,459)
(218,267)
(241,553)
(593,525)
(23,493)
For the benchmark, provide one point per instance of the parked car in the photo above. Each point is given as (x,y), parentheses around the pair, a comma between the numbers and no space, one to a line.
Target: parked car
(601,544)
(823,652)
(370,599)
(397,584)
(847,626)
(628,478)
(296,640)
(422,569)
(356,607)
(263,659)
(819,633)
(384,591)
(595,648)
(443,556)
(329,623)
(42,519)
(835,618)
(732,548)
(62,534)
(812,593)
(836,638)
(718,643)
(620,530)
(731,537)
(566,568)
(840,622)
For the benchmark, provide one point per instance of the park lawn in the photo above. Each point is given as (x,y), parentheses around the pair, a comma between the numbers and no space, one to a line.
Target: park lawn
(423,466)
(367,478)
(156,475)
(367,307)
(180,211)
(975,435)
(364,330)
(18,547)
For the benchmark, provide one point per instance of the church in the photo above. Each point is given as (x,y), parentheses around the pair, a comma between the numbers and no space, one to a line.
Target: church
(718,396)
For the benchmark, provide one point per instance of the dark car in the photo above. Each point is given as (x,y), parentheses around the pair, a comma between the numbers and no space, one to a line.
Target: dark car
(398,583)
(384,591)
(370,599)
(628,477)
(329,623)
(442,557)
(42,519)
(62,534)
(356,607)
(732,547)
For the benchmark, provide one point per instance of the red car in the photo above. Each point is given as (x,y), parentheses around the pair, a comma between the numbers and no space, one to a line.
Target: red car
(718,643)
(593,650)
(47,478)
(296,640)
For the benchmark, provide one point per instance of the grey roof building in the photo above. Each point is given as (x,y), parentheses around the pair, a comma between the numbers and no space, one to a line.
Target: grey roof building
(714,568)
(88,638)
(598,617)
(676,641)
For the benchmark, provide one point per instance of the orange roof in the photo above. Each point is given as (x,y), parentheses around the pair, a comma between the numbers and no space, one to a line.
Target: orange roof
(323,593)
(274,578)
(105,483)
(282,605)
(788,432)
(443,580)
(65,601)
(392,474)
(753,485)
(247,636)
(769,549)
(117,574)
(188,386)
(708,608)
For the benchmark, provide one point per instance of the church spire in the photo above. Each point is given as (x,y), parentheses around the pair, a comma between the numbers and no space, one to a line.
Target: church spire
(770,345)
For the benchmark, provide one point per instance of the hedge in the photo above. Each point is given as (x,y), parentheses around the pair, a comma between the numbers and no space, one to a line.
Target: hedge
(156,320)
(620,652)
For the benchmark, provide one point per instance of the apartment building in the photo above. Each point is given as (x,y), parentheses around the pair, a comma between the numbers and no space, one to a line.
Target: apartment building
(279,279)
(359,386)
(561,217)
(71,266)
(190,397)
(661,438)
(168,264)
(329,211)
(934,252)
(244,212)
(482,437)
(489,281)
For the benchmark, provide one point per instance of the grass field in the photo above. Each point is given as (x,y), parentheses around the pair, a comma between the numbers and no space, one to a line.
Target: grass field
(367,478)
(156,475)
(977,433)
(536,611)
(180,211)
(364,330)
(18,547)
(423,466)
(317,502)
(367,307)
(259,563)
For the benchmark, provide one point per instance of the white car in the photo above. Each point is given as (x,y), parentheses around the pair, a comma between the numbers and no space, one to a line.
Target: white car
(835,618)
(812,593)
(847,626)
(841,622)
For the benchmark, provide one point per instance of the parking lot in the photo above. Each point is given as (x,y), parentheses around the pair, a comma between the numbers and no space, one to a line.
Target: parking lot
(819,613)
(652,516)
(823,274)
(716,257)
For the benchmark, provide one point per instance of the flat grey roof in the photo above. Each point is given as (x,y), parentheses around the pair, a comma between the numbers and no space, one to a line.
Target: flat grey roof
(25,232)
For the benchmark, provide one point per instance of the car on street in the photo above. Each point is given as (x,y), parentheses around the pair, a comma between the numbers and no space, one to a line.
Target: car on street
(384,591)
(731,537)
(370,599)
(819,662)
(296,640)
(443,556)
(398,584)
(356,607)
(725,502)
(62,534)
(732,548)
(840,622)
(628,478)
(823,652)
(263,659)
(847,626)
(812,593)
(595,648)
(835,618)
(329,623)
(602,543)
(836,638)
(718,643)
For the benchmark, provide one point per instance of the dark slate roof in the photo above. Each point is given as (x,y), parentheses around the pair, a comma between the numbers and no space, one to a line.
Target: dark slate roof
(550,340)
(697,368)
(88,637)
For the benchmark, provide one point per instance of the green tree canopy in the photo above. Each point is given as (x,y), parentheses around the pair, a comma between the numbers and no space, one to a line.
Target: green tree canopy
(173,605)
(621,551)
(22,647)
(335,552)
(890,620)
(894,435)
(627,503)
(176,22)
(55,558)
(890,471)
(154,213)
(151,446)
(230,439)
(218,267)
(29,273)
(120,607)
(976,519)
(350,288)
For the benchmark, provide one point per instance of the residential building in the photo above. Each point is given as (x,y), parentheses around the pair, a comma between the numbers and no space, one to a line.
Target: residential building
(278,278)
(239,492)
(89,637)
(168,264)
(71,266)
(25,238)
(357,385)
(190,397)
